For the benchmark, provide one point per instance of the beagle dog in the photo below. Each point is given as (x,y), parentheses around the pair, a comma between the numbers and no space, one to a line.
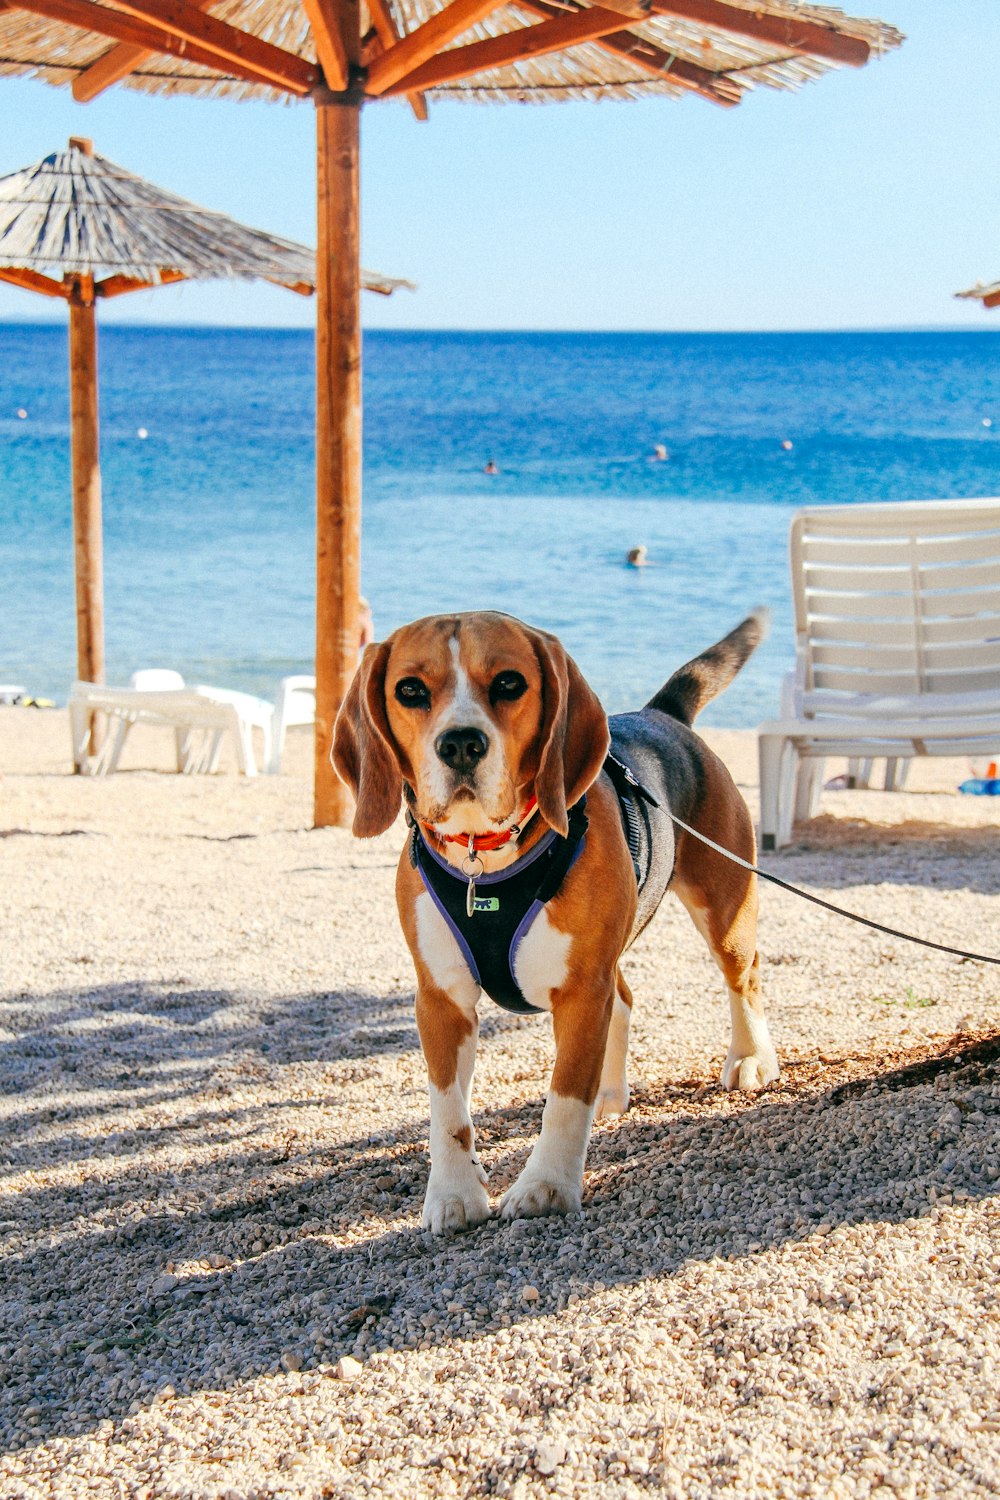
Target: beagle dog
(488,731)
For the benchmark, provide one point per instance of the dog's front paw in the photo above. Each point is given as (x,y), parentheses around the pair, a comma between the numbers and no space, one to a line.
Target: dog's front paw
(532,1196)
(611,1102)
(754,1071)
(452,1206)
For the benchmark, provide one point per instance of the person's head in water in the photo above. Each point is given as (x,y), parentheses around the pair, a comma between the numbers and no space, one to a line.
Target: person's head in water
(491,467)
(636,557)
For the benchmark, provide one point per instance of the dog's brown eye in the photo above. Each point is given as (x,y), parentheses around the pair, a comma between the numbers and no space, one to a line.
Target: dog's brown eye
(413,693)
(507,686)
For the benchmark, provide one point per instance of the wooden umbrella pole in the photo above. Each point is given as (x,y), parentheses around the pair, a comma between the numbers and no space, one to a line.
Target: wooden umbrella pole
(338,432)
(84,440)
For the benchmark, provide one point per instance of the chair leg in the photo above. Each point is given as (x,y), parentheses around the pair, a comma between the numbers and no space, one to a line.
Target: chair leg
(267,750)
(79,727)
(249,766)
(897,768)
(788,782)
(201,746)
(114,744)
(198,744)
(183,742)
(808,788)
(816,793)
(242,745)
(772,756)
(277,748)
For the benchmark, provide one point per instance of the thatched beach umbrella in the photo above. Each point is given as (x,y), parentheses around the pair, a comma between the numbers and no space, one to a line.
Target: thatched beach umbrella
(76,226)
(988,294)
(342,53)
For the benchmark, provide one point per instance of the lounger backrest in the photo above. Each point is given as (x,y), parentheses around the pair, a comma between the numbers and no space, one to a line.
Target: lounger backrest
(156,679)
(897,602)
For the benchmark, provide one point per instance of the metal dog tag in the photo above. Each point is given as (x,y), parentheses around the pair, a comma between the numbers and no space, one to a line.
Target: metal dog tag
(476,867)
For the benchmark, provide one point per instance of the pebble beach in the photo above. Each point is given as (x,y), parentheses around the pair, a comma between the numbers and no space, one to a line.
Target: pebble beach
(213,1280)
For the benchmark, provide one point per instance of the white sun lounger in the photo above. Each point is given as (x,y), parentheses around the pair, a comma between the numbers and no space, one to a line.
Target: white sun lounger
(897,641)
(200,718)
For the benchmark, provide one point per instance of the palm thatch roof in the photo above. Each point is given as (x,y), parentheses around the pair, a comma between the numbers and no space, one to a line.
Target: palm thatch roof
(988,294)
(79,214)
(717,48)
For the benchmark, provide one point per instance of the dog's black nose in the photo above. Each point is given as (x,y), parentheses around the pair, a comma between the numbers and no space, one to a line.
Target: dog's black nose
(462,749)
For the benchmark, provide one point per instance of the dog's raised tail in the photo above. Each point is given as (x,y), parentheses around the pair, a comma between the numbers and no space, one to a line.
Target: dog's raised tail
(685,694)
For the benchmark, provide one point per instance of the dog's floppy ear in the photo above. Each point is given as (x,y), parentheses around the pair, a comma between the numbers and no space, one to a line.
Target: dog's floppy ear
(574,734)
(364,752)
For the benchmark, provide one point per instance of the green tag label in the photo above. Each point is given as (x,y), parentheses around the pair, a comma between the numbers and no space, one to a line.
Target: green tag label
(486,903)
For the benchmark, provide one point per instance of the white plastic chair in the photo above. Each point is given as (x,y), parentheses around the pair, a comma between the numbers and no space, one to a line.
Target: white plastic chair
(897,639)
(296,704)
(200,717)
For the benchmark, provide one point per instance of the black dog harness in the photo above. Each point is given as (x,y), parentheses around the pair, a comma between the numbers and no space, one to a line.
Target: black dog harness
(506,902)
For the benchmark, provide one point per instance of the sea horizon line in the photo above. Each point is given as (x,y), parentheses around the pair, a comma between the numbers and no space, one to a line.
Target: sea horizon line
(195,326)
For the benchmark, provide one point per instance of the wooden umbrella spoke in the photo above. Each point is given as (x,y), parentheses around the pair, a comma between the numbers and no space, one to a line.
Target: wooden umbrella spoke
(566,27)
(113,66)
(33,281)
(426,41)
(122,60)
(792,32)
(190,24)
(568,30)
(109,69)
(328,38)
(172,31)
(117,286)
(718,88)
(388,35)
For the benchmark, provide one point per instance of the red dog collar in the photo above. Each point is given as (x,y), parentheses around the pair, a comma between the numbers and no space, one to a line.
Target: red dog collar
(474,842)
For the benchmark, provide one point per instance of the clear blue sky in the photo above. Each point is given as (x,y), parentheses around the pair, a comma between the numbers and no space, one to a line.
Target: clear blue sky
(863,200)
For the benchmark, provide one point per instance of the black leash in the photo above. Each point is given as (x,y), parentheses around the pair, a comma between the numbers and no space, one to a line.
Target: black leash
(908,937)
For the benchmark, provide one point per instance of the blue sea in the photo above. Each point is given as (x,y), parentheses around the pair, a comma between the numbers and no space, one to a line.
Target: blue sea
(209,518)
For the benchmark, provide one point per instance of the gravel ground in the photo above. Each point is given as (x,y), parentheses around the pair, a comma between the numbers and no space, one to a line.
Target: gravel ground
(214,1282)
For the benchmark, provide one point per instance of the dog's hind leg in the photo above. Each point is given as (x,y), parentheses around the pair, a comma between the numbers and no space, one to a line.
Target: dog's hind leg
(721,899)
(612,1096)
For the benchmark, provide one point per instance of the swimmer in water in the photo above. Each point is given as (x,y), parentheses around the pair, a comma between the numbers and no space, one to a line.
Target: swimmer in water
(366,625)
(660,454)
(635,557)
(491,467)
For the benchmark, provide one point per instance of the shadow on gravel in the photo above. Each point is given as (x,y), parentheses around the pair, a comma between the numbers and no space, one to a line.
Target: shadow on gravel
(915,853)
(319,1251)
(143,1045)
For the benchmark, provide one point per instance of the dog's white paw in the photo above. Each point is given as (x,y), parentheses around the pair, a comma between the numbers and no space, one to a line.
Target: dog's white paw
(532,1196)
(754,1071)
(611,1102)
(451,1206)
